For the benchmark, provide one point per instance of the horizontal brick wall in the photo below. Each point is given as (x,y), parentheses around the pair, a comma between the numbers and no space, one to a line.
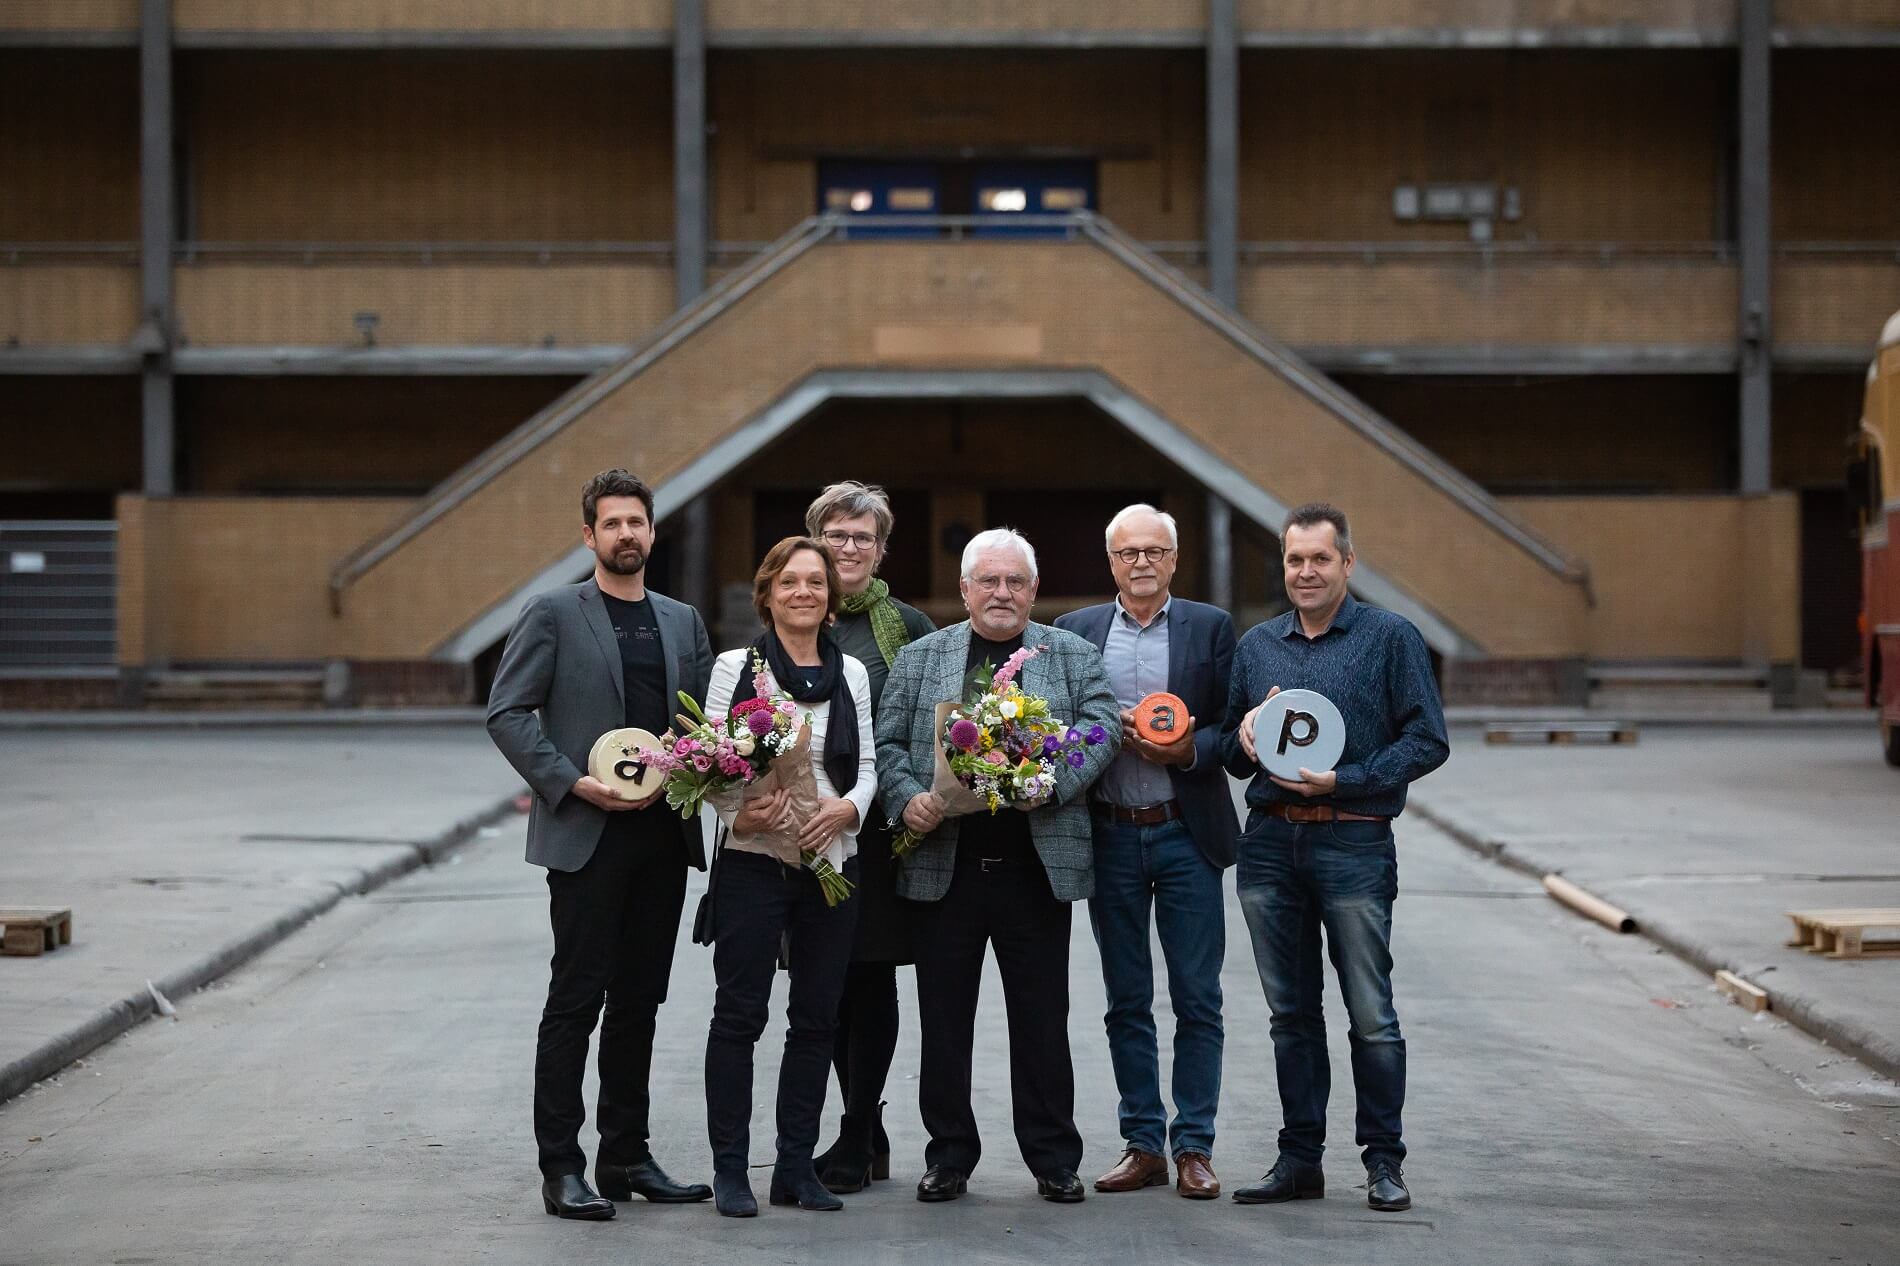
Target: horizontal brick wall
(1359,15)
(423,15)
(523,304)
(1683,577)
(1507,302)
(42,303)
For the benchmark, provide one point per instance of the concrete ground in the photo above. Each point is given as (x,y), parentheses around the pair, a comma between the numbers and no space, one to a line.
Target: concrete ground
(1708,837)
(361,1094)
(178,849)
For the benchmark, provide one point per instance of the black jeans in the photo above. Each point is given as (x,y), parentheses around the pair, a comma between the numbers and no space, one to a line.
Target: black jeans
(760,901)
(867,1037)
(615,922)
(1010,906)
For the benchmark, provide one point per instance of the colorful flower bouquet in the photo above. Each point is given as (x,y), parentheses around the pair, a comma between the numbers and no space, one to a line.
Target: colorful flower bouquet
(999,747)
(753,750)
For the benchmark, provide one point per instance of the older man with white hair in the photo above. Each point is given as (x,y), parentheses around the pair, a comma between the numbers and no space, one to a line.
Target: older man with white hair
(1006,879)
(1164,831)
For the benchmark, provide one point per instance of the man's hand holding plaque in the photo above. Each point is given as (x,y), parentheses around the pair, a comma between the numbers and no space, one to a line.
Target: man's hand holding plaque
(1159,729)
(1296,736)
(617,777)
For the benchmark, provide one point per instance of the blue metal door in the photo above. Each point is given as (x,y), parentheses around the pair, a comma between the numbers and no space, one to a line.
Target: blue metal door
(1027,189)
(888,191)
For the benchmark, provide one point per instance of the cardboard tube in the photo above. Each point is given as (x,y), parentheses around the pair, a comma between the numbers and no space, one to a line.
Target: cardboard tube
(1585,903)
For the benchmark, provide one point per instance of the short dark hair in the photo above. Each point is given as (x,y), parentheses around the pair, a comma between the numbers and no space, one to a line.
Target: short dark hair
(777,559)
(613,483)
(1314,513)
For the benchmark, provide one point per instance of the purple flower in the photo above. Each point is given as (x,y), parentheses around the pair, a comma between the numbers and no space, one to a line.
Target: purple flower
(759,723)
(1052,744)
(1072,737)
(1097,735)
(1076,760)
(964,734)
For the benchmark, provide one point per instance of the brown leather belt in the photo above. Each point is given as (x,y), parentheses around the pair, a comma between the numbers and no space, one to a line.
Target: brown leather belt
(1141,815)
(1317,813)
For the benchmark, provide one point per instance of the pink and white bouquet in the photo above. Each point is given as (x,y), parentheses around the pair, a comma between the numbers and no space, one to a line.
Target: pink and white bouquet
(997,747)
(755,748)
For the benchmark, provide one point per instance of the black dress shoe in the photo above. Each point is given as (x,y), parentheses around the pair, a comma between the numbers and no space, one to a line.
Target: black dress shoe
(1060,1186)
(624,1182)
(732,1196)
(1287,1180)
(802,1188)
(941,1182)
(1385,1187)
(569,1196)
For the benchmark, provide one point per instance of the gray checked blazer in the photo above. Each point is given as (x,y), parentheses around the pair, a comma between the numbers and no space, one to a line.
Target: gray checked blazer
(1070,676)
(562,661)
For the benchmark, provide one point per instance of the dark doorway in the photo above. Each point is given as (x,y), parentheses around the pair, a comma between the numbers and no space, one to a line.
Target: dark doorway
(1830,582)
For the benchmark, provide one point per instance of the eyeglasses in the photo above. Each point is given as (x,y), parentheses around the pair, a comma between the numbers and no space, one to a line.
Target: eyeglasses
(1154,553)
(990,584)
(863,541)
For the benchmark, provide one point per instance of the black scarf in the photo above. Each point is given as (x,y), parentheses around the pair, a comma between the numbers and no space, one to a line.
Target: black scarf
(841,731)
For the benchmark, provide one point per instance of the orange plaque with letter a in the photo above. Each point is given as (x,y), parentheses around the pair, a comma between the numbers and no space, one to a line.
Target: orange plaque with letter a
(1161,718)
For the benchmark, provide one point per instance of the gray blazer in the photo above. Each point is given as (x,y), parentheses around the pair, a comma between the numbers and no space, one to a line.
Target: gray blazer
(930,670)
(563,662)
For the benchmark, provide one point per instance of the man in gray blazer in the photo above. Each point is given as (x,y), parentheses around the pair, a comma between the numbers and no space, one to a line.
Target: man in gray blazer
(1005,879)
(1165,827)
(582,660)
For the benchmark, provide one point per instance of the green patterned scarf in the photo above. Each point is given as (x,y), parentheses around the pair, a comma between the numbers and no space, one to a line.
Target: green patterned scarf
(887,622)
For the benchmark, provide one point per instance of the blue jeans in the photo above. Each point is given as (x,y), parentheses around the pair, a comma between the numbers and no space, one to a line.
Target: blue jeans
(1294,879)
(1134,867)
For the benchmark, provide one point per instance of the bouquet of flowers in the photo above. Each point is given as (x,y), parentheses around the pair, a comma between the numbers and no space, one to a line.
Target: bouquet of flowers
(999,747)
(754,749)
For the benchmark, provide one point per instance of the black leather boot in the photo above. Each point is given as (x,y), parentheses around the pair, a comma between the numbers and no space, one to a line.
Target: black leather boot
(569,1196)
(799,1185)
(1287,1180)
(848,1166)
(647,1179)
(732,1196)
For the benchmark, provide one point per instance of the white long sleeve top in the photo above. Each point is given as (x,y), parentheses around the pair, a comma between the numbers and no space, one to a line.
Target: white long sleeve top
(725,679)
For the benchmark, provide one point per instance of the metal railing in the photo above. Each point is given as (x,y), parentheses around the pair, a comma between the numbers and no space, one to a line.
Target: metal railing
(1080,227)
(730,253)
(59,594)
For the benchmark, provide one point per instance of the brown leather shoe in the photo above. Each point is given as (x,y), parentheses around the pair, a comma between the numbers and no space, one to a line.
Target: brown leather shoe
(1136,1170)
(1194,1178)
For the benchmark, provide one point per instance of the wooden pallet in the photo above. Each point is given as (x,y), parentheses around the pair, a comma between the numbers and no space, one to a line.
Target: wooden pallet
(1560,732)
(1842,933)
(35,930)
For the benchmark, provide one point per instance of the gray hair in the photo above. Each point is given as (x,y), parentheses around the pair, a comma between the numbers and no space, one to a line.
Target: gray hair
(998,538)
(1141,507)
(849,500)
(1314,513)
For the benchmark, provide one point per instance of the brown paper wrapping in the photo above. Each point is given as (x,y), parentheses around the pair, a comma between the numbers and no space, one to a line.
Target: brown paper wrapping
(792,770)
(956,799)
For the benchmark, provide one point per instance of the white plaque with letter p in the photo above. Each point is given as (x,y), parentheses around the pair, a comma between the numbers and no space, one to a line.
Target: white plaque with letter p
(1298,729)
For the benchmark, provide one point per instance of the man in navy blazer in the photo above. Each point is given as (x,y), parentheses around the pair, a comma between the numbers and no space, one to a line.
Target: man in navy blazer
(1164,830)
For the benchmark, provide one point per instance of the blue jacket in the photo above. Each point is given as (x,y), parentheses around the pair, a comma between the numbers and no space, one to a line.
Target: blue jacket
(1200,659)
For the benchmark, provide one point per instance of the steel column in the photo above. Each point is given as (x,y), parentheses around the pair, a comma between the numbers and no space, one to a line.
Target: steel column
(1755,242)
(153,339)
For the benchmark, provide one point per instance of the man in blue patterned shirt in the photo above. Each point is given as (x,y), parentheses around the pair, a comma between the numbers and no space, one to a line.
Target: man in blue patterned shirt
(1318,851)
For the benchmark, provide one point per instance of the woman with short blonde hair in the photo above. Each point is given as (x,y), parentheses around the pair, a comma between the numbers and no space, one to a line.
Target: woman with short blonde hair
(854,521)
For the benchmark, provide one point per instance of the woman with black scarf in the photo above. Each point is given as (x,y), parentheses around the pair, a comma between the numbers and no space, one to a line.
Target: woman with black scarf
(762,896)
